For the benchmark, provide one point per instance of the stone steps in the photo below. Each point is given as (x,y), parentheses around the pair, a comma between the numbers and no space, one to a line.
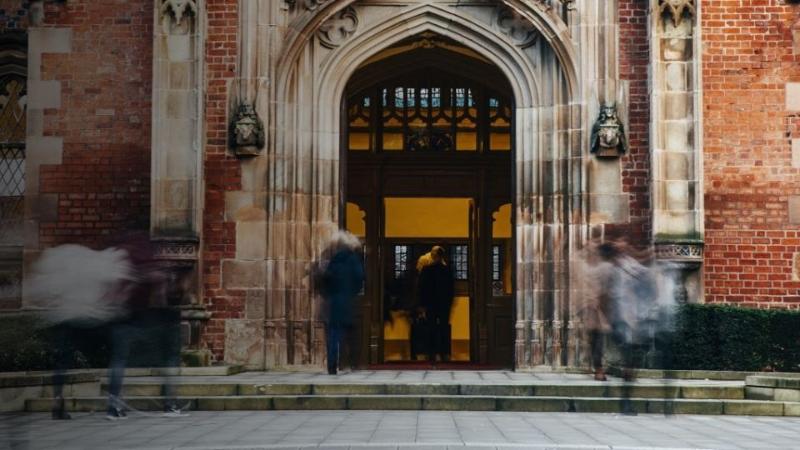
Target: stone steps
(596,390)
(438,403)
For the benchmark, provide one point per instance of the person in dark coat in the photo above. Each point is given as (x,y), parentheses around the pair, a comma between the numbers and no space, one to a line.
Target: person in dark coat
(436,297)
(341,281)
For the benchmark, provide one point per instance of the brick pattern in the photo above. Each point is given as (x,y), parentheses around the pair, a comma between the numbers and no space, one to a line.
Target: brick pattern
(747,60)
(634,57)
(222,173)
(103,182)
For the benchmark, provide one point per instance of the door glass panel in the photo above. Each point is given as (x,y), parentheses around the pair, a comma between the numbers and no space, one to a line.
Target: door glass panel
(412,226)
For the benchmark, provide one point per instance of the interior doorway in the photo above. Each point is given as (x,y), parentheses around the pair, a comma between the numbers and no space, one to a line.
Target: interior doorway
(427,157)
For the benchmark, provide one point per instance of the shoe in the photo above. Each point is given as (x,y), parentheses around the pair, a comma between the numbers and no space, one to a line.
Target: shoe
(331,370)
(600,375)
(174,411)
(116,414)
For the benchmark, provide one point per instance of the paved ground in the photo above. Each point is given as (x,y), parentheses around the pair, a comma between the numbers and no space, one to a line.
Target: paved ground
(397,431)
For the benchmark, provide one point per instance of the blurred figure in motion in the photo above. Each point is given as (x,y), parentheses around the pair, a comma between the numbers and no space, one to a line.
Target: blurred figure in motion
(78,290)
(436,292)
(120,289)
(339,279)
(149,320)
(621,300)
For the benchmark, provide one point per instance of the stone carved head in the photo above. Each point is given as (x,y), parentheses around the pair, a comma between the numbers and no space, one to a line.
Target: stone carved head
(608,134)
(247,132)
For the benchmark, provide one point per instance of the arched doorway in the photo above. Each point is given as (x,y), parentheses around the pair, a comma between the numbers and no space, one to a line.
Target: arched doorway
(427,157)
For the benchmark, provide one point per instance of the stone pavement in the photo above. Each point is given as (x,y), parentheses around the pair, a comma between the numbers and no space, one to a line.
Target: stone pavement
(395,430)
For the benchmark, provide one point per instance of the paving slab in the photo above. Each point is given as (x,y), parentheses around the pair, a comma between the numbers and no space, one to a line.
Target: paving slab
(392,430)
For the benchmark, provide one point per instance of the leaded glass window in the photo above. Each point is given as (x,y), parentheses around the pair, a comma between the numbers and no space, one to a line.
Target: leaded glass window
(429,114)
(400,260)
(459,258)
(13,112)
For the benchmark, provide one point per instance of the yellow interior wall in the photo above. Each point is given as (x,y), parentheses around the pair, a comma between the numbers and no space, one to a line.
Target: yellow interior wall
(355,220)
(427,217)
(501,224)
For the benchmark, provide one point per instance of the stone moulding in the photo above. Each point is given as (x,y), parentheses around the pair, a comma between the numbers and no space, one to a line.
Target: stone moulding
(334,31)
(677,9)
(183,250)
(518,29)
(679,252)
(177,9)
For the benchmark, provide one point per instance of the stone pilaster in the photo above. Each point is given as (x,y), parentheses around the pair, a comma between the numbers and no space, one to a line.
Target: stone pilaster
(676,138)
(176,187)
(177,117)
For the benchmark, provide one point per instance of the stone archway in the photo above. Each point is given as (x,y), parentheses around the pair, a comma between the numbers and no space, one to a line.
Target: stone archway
(298,176)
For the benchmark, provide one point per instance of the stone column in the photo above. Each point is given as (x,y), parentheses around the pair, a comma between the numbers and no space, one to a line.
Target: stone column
(177,138)
(677,189)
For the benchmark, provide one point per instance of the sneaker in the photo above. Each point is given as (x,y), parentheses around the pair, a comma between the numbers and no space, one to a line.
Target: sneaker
(174,411)
(116,414)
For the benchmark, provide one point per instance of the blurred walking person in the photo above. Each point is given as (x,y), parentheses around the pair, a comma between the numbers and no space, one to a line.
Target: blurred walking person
(339,281)
(78,291)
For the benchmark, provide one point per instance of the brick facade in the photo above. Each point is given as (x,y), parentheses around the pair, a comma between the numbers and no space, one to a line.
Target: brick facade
(749,178)
(222,173)
(102,183)
(634,52)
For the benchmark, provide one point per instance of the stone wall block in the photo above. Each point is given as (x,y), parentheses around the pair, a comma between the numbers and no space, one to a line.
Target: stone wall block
(44,94)
(255,304)
(179,74)
(251,240)
(676,136)
(677,106)
(244,342)
(677,195)
(793,96)
(609,208)
(179,47)
(243,274)
(794,209)
(796,153)
(275,303)
(605,176)
(676,165)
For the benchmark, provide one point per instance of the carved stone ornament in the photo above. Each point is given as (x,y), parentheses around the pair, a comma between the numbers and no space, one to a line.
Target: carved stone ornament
(676,9)
(519,29)
(608,134)
(247,132)
(177,9)
(334,31)
(679,252)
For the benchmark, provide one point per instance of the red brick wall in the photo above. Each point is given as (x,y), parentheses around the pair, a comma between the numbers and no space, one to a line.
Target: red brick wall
(747,59)
(634,57)
(103,183)
(222,173)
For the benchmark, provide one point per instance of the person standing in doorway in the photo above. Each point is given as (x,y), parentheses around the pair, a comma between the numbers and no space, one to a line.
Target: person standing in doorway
(436,297)
(340,281)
